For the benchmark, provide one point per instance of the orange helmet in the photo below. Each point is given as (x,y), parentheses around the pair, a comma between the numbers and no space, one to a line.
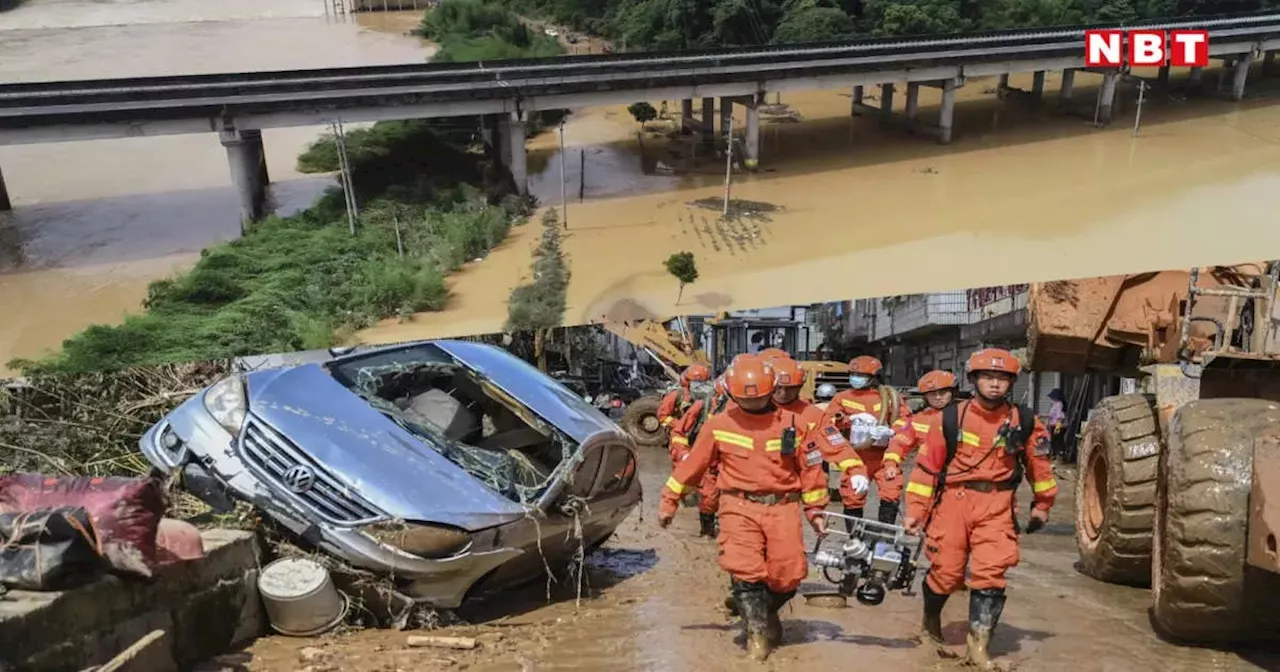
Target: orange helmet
(772,353)
(749,378)
(866,365)
(695,373)
(936,380)
(788,372)
(993,359)
(720,385)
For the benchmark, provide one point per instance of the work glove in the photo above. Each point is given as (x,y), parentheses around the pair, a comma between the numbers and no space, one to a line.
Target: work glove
(1038,518)
(666,512)
(880,435)
(859,484)
(819,523)
(890,470)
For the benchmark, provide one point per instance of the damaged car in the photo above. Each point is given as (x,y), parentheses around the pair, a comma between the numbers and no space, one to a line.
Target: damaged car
(452,467)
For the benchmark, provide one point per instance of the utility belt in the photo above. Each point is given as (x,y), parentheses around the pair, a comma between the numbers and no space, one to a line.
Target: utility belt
(766,498)
(986,486)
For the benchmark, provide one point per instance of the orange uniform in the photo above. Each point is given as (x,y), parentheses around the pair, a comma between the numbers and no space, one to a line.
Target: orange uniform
(852,402)
(973,521)
(911,436)
(708,492)
(763,490)
(839,453)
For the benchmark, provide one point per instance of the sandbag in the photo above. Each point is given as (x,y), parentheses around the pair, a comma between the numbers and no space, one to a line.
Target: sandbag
(48,549)
(125,512)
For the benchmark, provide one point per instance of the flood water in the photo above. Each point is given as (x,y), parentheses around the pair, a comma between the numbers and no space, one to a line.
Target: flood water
(860,211)
(95,221)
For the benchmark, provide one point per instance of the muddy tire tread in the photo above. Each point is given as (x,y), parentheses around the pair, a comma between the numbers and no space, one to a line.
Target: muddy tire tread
(1206,593)
(1122,554)
(631,417)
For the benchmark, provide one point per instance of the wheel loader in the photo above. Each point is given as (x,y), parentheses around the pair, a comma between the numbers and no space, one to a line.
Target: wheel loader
(1179,484)
(677,349)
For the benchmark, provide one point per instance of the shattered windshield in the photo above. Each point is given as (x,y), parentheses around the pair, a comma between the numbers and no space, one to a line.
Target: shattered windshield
(459,415)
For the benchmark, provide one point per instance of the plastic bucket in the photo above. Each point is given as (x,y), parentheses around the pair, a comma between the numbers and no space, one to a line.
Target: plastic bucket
(300,598)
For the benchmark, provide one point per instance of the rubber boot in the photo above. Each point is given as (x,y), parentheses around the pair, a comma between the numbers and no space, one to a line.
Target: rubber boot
(888,512)
(776,602)
(753,605)
(708,522)
(931,627)
(853,513)
(985,607)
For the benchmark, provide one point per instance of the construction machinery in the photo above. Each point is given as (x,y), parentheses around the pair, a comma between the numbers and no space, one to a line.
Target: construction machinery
(1179,484)
(721,339)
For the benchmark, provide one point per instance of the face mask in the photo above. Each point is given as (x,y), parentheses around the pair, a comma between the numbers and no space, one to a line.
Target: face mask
(858,382)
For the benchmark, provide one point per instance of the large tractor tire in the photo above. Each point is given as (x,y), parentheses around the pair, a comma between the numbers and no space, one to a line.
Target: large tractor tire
(1116,490)
(640,420)
(1204,591)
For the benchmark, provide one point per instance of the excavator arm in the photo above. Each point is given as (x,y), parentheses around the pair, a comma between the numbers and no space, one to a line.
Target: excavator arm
(673,350)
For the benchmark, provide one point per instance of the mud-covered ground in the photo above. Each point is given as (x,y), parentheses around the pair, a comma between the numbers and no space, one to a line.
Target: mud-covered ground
(655,603)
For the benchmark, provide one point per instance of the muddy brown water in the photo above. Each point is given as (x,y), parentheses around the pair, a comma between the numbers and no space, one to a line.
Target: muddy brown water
(653,601)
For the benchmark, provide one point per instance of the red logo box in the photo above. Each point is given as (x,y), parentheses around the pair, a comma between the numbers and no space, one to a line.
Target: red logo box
(1146,48)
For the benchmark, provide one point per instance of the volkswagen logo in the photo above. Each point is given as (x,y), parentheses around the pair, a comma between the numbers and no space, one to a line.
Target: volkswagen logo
(299,478)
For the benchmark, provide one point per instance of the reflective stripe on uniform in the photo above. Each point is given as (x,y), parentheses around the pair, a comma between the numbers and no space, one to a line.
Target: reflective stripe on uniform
(813,496)
(852,404)
(893,457)
(735,439)
(668,420)
(773,445)
(922,427)
(920,489)
(846,465)
(970,439)
(676,486)
(1042,486)
(684,441)
(899,424)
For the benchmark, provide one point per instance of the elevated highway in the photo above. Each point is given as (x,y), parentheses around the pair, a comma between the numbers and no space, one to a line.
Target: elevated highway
(239,105)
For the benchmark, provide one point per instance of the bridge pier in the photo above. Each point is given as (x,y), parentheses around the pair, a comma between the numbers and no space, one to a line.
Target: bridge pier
(1240,76)
(511,134)
(1037,85)
(709,117)
(855,101)
(1195,78)
(1002,84)
(1107,97)
(913,100)
(947,112)
(5,203)
(886,104)
(1268,62)
(248,165)
(1068,87)
(751,148)
(1162,76)
(726,114)
(686,115)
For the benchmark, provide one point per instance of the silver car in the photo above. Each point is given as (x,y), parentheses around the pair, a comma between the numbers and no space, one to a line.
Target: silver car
(452,466)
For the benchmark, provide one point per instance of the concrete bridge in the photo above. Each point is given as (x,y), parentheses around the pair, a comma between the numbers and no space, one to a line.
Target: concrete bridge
(238,106)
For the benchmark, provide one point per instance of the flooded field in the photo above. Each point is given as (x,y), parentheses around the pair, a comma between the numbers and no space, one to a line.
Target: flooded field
(653,601)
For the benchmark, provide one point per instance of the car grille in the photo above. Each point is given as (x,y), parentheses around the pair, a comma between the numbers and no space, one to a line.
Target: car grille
(273,457)
(839,380)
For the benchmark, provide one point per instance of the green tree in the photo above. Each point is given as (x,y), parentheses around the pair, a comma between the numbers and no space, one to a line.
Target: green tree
(642,112)
(684,268)
(815,24)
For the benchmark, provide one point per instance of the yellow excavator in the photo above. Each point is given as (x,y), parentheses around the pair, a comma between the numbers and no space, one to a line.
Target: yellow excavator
(724,338)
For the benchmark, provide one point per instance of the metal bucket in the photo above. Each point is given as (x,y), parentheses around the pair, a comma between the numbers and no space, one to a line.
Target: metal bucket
(300,598)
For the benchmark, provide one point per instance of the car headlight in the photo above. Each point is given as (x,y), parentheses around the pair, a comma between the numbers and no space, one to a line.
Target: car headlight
(225,400)
(424,540)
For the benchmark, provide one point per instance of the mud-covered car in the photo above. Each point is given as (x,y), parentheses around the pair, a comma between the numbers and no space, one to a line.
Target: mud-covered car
(451,466)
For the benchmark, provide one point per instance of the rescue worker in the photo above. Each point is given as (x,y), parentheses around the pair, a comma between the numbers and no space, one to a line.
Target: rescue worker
(684,433)
(962,493)
(770,469)
(677,401)
(868,395)
(939,390)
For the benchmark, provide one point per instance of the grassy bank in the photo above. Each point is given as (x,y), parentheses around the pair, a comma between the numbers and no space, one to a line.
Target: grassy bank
(429,201)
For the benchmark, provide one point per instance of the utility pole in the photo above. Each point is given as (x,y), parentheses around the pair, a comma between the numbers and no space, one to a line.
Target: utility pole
(1137,118)
(582,175)
(344,162)
(564,200)
(728,164)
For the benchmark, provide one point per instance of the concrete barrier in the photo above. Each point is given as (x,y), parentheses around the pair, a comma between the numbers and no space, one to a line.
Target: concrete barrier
(205,607)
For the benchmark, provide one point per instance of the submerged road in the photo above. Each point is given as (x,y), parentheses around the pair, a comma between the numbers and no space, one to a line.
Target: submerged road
(652,601)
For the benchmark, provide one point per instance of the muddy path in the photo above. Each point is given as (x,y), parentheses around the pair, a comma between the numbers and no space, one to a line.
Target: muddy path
(653,601)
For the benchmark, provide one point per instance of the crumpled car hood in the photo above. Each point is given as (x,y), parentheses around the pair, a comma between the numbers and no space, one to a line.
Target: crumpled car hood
(391,468)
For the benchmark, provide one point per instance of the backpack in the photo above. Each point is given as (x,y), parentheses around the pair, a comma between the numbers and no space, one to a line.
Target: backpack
(951,433)
(707,400)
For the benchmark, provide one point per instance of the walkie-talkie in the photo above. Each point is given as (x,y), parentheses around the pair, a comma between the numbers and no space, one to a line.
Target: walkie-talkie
(789,441)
